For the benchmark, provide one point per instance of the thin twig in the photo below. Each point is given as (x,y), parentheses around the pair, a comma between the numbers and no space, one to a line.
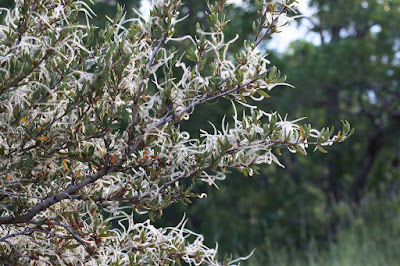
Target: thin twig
(66,194)
(15,248)
(163,37)
(79,239)
(15,195)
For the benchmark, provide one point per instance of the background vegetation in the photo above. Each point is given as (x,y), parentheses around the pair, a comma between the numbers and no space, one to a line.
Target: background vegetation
(335,209)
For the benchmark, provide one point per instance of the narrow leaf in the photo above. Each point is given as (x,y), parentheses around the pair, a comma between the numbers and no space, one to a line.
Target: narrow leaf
(263,93)
(113,158)
(321,149)
(64,163)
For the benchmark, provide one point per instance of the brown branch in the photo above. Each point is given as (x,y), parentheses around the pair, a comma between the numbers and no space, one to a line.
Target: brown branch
(83,242)
(206,98)
(68,193)
(15,195)
(268,30)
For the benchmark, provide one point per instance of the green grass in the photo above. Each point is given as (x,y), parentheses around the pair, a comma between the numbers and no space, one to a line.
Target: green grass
(369,238)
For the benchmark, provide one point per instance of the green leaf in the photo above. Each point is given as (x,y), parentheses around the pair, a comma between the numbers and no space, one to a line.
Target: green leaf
(245,172)
(263,93)
(271,74)
(254,26)
(321,149)
(187,200)
(299,149)
(302,133)
(72,246)
(242,99)
(191,58)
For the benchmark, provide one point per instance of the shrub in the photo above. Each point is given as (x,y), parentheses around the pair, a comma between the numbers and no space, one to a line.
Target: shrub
(89,129)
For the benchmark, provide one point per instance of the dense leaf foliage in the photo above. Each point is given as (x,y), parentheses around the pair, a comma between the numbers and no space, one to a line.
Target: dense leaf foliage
(90,128)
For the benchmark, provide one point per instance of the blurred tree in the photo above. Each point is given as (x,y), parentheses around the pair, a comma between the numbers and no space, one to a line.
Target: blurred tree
(355,74)
(102,9)
(352,74)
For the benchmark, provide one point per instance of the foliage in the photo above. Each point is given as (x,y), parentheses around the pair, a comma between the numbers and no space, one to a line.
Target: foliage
(357,65)
(90,129)
(369,236)
(353,75)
